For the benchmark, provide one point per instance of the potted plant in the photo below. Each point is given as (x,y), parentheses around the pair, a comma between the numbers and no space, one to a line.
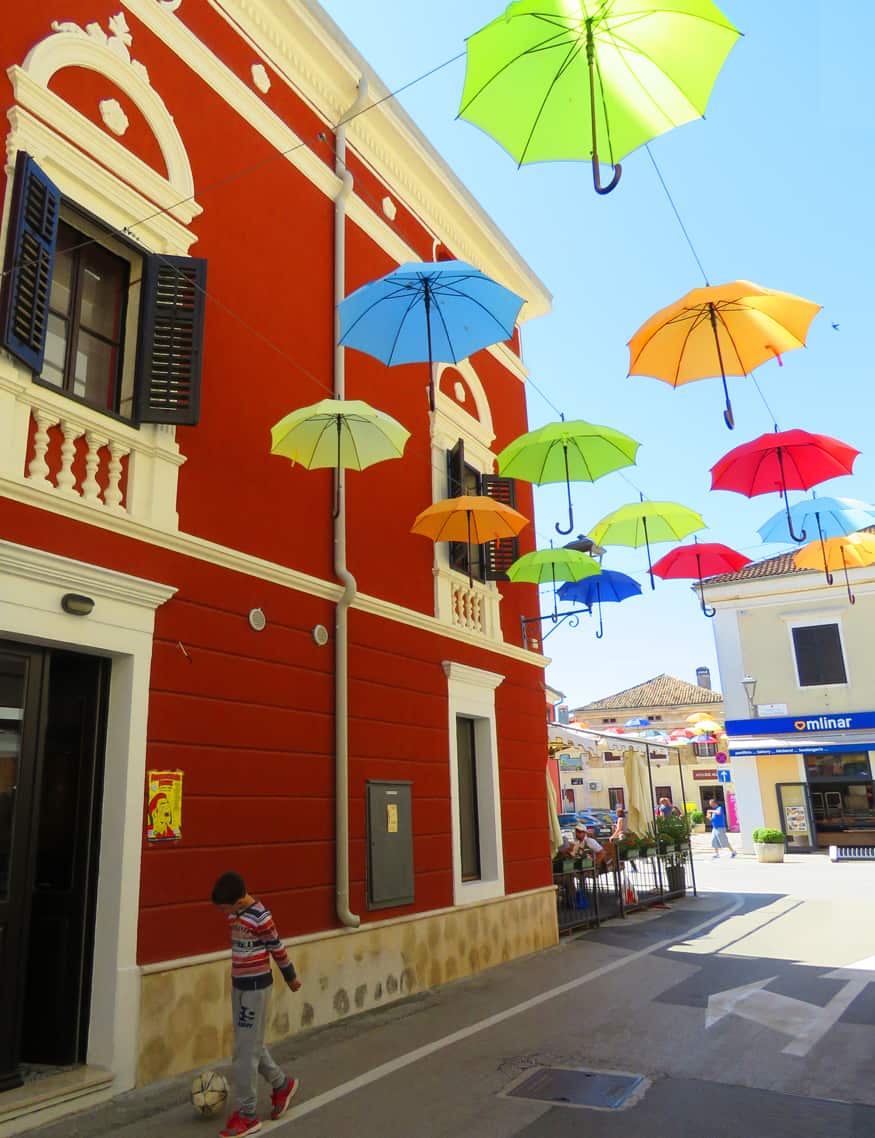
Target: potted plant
(697,821)
(673,836)
(629,847)
(769,844)
(647,844)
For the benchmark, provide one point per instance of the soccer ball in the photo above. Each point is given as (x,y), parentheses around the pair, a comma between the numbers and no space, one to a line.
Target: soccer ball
(209,1091)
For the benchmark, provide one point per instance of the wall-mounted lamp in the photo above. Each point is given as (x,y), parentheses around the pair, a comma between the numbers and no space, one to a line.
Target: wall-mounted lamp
(750,686)
(76,604)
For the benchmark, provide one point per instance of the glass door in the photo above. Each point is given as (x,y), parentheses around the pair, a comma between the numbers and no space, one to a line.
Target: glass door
(797,817)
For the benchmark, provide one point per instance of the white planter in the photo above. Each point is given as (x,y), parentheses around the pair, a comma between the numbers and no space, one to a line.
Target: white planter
(768,851)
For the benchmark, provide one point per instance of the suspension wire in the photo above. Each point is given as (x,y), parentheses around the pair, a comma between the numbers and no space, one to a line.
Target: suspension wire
(677,214)
(765,401)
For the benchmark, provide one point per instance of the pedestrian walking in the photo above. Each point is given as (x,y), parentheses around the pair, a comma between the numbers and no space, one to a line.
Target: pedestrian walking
(719,840)
(254,940)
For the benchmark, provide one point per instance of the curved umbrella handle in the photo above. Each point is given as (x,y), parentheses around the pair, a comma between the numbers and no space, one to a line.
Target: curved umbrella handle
(706,609)
(601,628)
(851,597)
(596,177)
(829,576)
(559,528)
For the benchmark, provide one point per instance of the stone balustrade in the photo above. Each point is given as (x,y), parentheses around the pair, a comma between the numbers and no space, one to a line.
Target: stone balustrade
(471,606)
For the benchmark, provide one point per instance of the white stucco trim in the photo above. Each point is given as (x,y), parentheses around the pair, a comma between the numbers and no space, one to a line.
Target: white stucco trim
(120,627)
(815,619)
(471,693)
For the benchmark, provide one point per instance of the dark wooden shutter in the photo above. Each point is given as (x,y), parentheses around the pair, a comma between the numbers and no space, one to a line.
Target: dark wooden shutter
(458,552)
(499,555)
(171,340)
(30,254)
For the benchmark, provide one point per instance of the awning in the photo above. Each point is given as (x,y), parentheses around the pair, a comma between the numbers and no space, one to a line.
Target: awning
(809,744)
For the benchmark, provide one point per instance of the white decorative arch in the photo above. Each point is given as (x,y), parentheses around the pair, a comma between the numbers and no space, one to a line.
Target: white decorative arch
(453,421)
(108,54)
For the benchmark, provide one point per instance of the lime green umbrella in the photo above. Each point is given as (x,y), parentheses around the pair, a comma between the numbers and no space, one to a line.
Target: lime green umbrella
(640,523)
(557,79)
(544,566)
(565,452)
(343,433)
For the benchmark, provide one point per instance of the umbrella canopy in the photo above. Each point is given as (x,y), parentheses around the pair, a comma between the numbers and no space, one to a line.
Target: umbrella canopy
(637,721)
(549,565)
(830,517)
(562,79)
(705,727)
(853,551)
(720,330)
(680,734)
(434,312)
(343,433)
(640,523)
(470,518)
(782,461)
(698,717)
(697,561)
(575,451)
(607,586)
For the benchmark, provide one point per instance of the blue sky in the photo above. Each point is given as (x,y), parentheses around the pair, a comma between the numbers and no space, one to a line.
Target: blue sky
(773,186)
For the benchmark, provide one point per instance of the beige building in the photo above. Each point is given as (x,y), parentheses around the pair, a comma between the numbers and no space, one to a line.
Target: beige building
(795,659)
(664,700)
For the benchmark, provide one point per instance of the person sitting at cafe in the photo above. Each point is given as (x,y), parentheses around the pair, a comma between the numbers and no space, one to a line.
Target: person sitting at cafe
(585,845)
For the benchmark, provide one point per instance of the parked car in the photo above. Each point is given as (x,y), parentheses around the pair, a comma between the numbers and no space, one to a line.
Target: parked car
(601,822)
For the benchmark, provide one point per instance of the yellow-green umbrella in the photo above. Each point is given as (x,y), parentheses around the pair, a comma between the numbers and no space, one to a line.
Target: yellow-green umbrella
(344,433)
(543,566)
(640,523)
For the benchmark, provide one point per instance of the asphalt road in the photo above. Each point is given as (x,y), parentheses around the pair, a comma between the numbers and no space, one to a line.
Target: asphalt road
(747,1011)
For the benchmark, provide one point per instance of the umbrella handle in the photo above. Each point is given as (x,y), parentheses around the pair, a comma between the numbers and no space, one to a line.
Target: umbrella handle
(728,417)
(706,609)
(786,496)
(559,528)
(596,177)
(829,576)
(601,629)
(851,597)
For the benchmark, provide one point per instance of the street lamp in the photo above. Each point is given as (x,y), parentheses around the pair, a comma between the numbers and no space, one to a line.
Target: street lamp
(750,686)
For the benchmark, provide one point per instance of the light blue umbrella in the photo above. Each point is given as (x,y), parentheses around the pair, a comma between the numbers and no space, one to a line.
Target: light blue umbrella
(428,311)
(830,517)
(637,721)
(609,585)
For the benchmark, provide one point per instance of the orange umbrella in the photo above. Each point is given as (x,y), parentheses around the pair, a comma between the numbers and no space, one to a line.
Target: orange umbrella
(852,551)
(720,330)
(470,518)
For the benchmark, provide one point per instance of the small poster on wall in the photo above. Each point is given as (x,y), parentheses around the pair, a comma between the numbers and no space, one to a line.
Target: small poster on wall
(164,806)
(797,822)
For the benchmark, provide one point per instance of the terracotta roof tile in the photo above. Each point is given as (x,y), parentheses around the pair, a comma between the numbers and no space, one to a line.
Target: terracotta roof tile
(661,691)
(778,566)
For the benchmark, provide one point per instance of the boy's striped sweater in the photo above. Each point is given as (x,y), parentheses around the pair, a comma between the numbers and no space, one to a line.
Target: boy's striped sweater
(254,939)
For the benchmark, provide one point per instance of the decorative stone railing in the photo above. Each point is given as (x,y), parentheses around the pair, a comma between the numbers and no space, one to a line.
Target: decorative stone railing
(473,607)
(74,453)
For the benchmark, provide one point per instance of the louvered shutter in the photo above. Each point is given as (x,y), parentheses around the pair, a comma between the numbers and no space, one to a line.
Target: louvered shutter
(30,254)
(499,555)
(458,552)
(171,340)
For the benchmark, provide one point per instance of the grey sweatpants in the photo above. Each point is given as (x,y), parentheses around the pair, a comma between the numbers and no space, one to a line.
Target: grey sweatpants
(251,1057)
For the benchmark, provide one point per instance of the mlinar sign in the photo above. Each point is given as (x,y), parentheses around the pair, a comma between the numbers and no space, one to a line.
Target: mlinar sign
(799,724)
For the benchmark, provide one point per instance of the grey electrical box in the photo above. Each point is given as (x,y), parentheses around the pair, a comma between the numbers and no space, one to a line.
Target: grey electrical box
(390,844)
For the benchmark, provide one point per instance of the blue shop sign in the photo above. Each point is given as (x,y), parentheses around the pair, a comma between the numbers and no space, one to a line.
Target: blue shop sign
(801,749)
(802,724)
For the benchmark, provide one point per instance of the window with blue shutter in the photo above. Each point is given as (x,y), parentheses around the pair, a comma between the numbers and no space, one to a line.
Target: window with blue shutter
(33,231)
(65,309)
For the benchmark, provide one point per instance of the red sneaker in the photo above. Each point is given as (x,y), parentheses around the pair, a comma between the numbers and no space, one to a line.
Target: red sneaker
(239,1124)
(283,1097)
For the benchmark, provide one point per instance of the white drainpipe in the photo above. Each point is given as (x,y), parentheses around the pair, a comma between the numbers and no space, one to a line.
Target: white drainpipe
(341,625)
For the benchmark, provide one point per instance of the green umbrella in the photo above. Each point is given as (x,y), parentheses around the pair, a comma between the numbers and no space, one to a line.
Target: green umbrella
(343,433)
(544,566)
(556,79)
(640,523)
(565,452)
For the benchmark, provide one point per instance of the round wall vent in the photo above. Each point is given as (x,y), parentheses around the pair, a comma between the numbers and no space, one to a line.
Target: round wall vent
(257,620)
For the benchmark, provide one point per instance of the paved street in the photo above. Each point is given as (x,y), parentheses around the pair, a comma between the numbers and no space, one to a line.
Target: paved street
(742,1010)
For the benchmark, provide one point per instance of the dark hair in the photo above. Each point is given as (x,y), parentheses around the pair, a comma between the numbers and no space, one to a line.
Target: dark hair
(229,888)
(621,813)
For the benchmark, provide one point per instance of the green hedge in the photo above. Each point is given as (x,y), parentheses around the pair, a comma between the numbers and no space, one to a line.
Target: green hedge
(769,837)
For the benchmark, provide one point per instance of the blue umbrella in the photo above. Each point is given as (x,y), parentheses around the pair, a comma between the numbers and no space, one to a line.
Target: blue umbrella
(609,585)
(832,517)
(429,311)
(637,721)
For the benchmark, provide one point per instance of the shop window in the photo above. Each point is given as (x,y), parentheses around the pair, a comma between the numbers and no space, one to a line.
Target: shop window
(838,767)
(616,797)
(491,561)
(819,657)
(91,315)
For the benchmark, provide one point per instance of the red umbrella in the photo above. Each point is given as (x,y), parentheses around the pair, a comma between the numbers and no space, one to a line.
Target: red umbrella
(782,461)
(700,560)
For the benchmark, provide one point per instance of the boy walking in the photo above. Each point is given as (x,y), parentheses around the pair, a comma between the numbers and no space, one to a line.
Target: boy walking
(254,939)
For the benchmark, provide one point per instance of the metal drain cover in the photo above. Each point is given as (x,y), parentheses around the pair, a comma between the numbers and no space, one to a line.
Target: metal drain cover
(574,1086)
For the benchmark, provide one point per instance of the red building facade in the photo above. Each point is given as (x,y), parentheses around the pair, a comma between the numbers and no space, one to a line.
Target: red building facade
(177,206)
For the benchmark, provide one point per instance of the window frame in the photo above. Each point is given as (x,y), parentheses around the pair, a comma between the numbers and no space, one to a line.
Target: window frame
(818,622)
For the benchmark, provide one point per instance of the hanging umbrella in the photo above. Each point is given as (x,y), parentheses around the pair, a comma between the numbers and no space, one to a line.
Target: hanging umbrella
(680,735)
(567,452)
(562,79)
(609,585)
(343,433)
(720,330)
(833,517)
(697,561)
(469,518)
(850,552)
(698,717)
(782,461)
(705,727)
(552,565)
(640,523)
(434,312)
(637,721)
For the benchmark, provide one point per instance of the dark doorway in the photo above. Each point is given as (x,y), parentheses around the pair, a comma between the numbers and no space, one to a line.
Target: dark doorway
(52,718)
(706,793)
